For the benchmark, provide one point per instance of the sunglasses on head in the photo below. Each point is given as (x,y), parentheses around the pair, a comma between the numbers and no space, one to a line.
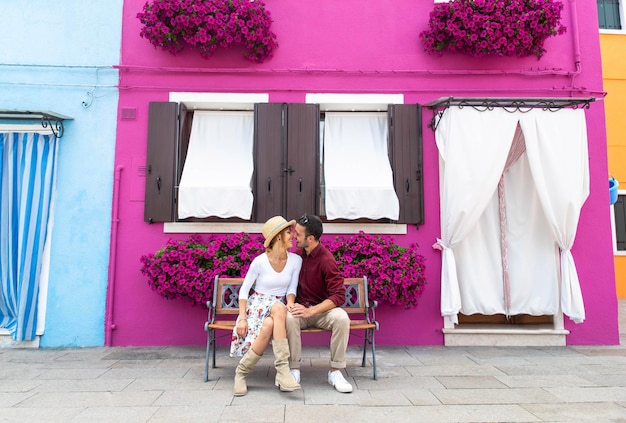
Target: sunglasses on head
(303,220)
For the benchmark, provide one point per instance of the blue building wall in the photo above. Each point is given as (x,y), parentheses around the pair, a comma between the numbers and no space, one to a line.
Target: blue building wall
(59,56)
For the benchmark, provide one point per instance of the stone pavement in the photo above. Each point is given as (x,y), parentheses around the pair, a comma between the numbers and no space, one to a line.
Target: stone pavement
(416,383)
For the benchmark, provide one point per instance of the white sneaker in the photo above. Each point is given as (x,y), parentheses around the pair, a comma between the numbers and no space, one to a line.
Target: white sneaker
(336,379)
(296,374)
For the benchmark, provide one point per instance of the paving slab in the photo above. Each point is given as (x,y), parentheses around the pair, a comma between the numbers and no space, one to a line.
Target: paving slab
(415,383)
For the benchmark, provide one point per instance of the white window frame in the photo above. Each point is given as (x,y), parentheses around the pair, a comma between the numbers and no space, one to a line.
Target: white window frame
(613,230)
(621,19)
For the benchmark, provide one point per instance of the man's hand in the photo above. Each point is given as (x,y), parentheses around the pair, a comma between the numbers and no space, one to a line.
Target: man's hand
(300,311)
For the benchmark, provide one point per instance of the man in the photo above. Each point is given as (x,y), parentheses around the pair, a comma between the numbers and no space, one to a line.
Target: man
(318,302)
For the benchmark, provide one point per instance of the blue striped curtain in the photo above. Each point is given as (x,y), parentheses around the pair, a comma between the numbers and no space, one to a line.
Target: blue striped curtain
(27,163)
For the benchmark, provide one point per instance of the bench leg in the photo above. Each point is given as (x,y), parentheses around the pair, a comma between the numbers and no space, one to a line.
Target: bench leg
(214,351)
(364,348)
(373,344)
(210,342)
(369,339)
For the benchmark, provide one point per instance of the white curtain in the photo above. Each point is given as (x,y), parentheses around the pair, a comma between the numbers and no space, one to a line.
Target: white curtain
(357,172)
(473,151)
(531,254)
(216,178)
(473,147)
(556,145)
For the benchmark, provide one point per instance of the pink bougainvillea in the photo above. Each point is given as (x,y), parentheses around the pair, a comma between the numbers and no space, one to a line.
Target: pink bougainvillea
(186,269)
(395,274)
(208,24)
(493,27)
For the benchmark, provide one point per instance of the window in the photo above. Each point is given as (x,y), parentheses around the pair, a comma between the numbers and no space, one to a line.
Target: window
(619,210)
(609,16)
(287,164)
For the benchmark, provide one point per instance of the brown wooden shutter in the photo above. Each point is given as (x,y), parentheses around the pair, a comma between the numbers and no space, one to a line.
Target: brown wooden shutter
(619,210)
(303,160)
(160,162)
(405,154)
(269,147)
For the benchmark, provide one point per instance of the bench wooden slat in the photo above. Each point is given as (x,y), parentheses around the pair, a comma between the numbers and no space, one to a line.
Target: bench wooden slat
(226,303)
(354,324)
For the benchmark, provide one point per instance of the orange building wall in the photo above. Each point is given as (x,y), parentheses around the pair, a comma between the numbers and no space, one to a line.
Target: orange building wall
(613,47)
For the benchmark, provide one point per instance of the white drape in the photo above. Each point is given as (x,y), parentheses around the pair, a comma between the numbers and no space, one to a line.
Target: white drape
(357,173)
(473,150)
(219,165)
(531,254)
(556,145)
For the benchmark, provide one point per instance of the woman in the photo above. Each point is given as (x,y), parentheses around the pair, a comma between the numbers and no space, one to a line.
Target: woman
(262,311)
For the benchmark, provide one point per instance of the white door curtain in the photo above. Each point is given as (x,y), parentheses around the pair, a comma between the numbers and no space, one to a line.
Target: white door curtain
(512,187)
(27,168)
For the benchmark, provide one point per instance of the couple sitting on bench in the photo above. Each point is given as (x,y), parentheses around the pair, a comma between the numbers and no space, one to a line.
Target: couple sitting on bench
(313,289)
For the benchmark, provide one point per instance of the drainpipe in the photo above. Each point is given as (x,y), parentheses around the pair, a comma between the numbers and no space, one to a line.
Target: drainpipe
(109,325)
(576,41)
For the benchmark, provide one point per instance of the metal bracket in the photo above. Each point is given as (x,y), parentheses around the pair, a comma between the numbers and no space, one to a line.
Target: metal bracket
(511,105)
(47,119)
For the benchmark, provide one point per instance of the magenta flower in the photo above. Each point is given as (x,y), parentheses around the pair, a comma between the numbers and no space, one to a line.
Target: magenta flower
(206,24)
(187,269)
(473,27)
(395,274)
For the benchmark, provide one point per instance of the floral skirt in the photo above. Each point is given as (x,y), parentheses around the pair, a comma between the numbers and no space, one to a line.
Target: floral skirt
(257,309)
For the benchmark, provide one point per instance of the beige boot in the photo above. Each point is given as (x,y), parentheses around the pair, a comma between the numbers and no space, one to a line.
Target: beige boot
(284,380)
(244,368)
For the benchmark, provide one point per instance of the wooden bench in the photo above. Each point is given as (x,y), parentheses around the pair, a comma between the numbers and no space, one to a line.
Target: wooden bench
(224,309)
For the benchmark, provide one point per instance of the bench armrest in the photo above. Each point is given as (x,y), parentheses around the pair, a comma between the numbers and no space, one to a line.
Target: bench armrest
(370,312)
(211,312)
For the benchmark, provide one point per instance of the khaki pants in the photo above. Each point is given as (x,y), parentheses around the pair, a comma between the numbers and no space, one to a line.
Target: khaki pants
(336,320)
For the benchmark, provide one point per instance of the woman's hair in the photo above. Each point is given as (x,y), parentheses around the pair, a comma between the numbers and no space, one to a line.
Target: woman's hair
(280,234)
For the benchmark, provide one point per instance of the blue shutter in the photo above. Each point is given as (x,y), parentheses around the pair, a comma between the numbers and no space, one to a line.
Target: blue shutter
(619,210)
(608,14)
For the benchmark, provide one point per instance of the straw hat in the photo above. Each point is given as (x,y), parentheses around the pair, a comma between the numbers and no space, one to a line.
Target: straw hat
(273,227)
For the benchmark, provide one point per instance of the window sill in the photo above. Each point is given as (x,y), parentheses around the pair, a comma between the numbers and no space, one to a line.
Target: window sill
(511,336)
(329,228)
(613,31)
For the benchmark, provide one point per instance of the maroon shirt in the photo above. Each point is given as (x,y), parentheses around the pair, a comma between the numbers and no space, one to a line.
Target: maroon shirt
(319,278)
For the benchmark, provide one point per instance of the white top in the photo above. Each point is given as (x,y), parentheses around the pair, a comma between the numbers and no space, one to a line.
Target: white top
(268,280)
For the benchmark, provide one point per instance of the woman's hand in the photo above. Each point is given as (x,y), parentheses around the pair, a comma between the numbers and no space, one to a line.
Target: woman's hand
(242,328)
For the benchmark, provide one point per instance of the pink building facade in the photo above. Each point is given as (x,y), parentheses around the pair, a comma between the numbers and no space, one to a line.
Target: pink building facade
(354,54)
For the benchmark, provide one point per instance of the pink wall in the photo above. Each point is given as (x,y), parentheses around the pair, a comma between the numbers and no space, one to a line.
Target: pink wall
(346,47)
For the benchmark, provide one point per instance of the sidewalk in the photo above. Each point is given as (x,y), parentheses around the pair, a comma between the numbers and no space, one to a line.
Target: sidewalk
(426,384)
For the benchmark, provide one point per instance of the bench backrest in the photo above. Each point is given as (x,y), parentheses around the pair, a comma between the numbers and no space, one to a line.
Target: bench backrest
(226,295)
